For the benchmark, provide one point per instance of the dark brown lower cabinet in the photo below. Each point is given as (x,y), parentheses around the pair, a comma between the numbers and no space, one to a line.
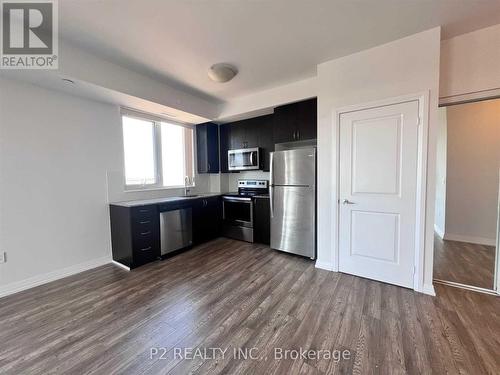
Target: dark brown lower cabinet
(262,221)
(135,234)
(135,231)
(207,218)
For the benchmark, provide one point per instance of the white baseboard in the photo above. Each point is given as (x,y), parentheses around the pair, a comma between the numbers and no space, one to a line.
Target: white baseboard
(439,231)
(470,239)
(429,289)
(467,287)
(325,265)
(19,286)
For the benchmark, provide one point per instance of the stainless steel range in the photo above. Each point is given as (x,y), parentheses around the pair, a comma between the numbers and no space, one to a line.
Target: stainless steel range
(238,207)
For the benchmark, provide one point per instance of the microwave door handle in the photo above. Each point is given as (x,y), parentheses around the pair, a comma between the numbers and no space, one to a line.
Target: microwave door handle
(251,158)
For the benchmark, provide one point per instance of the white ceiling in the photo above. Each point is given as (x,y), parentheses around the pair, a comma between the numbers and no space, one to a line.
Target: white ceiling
(271,42)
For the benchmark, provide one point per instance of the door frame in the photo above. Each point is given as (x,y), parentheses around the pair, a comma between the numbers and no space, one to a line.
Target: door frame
(496,282)
(422,99)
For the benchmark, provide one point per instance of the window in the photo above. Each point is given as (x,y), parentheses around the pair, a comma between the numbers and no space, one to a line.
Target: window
(157,153)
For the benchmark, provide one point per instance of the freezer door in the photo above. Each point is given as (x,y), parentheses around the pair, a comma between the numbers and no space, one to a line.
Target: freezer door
(293,220)
(293,167)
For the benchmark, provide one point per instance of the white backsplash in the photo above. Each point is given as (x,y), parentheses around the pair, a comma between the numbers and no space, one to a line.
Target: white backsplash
(117,193)
(205,183)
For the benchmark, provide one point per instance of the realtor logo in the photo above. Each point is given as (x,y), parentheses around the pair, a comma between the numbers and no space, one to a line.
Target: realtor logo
(29,34)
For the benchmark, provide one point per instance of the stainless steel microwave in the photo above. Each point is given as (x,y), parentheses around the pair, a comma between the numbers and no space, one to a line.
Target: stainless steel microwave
(244,159)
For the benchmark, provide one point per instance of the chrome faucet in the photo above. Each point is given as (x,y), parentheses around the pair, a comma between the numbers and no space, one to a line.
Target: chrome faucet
(188,183)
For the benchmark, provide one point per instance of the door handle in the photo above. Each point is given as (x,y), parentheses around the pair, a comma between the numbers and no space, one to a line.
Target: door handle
(347,201)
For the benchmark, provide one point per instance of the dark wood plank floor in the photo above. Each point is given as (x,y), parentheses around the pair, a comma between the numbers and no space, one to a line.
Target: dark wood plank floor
(231,294)
(464,263)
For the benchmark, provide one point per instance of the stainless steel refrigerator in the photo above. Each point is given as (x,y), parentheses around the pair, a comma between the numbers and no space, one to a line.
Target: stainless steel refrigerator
(293,201)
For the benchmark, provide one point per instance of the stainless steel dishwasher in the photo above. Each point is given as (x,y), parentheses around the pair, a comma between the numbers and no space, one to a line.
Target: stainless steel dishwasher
(176,230)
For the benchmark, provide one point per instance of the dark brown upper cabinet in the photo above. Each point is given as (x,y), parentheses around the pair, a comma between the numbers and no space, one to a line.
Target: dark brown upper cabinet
(225,145)
(207,148)
(296,121)
(250,133)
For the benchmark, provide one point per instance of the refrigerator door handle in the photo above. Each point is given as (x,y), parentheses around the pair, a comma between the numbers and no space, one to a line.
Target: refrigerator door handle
(271,157)
(271,187)
(271,200)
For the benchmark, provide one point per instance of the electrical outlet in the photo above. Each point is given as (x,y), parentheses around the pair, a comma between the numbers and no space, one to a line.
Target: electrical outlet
(3,257)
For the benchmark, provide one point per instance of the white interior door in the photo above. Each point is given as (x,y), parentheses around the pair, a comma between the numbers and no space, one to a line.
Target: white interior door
(378,177)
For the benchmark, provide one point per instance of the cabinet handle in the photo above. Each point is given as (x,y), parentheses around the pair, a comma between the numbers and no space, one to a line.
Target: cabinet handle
(143,210)
(146,248)
(298,135)
(294,135)
(145,233)
(144,222)
(209,167)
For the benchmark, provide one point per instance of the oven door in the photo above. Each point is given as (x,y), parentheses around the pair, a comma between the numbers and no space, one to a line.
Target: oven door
(244,159)
(238,211)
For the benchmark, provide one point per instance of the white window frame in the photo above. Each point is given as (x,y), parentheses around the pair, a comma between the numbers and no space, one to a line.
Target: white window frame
(157,151)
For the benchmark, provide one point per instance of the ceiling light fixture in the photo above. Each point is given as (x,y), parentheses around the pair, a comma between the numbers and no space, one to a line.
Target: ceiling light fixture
(222,72)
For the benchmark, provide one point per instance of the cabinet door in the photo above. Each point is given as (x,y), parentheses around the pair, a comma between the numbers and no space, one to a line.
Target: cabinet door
(207,148)
(251,133)
(262,225)
(265,139)
(296,121)
(207,216)
(199,230)
(225,133)
(213,148)
(202,148)
(306,113)
(213,217)
(237,135)
(284,128)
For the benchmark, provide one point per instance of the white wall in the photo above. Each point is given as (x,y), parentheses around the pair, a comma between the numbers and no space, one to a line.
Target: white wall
(56,154)
(470,63)
(472,172)
(55,151)
(440,208)
(406,66)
